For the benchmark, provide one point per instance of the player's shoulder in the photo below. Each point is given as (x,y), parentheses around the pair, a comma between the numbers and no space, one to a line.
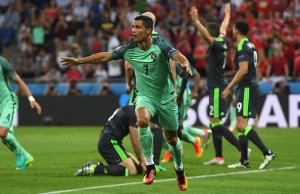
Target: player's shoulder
(157,39)
(245,44)
(2,59)
(125,48)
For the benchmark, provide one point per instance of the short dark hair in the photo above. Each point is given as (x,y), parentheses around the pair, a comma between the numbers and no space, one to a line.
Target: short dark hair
(213,29)
(147,21)
(242,27)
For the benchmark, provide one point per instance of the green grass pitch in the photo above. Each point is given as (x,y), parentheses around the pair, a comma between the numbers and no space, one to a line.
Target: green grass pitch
(59,151)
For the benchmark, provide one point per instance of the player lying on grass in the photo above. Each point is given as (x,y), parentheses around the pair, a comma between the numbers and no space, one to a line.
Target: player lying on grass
(120,161)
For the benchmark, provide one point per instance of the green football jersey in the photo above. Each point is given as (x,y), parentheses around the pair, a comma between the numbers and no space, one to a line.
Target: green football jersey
(151,67)
(6,73)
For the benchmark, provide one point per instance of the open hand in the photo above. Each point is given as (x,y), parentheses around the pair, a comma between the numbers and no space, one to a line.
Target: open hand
(69,61)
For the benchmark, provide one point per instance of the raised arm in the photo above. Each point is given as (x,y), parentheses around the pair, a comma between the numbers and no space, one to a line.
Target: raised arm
(226,19)
(93,59)
(205,34)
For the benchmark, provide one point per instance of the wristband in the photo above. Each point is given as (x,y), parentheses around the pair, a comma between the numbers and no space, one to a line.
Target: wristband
(31,99)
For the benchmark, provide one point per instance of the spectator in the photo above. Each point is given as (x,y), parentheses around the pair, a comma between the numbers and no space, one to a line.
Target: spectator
(61,28)
(114,67)
(105,90)
(51,90)
(53,75)
(51,11)
(80,10)
(42,62)
(101,74)
(88,72)
(277,67)
(73,74)
(73,90)
(296,72)
(281,88)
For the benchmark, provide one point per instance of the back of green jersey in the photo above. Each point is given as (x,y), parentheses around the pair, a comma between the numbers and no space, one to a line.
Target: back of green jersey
(152,68)
(6,72)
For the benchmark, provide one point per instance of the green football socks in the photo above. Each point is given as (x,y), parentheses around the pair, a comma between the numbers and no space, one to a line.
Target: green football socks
(177,154)
(146,141)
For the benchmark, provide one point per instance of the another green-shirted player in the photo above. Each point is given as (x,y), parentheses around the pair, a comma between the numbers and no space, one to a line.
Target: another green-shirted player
(245,61)
(8,108)
(155,90)
(184,101)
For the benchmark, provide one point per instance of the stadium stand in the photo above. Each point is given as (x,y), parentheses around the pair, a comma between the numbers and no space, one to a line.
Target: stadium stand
(119,88)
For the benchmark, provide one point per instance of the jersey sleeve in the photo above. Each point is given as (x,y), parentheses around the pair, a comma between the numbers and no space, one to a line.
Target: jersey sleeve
(8,69)
(165,47)
(119,52)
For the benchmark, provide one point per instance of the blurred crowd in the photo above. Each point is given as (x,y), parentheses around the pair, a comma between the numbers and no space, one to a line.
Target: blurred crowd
(35,34)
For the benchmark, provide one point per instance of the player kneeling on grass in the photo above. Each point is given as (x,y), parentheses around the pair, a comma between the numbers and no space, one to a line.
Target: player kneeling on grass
(120,161)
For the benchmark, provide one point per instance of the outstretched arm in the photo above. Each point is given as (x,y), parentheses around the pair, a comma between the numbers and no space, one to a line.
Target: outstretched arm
(226,19)
(200,27)
(94,59)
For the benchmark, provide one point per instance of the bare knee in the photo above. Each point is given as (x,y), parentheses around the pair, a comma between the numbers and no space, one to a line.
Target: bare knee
(241,123)
(129,164)
(172,140)
(3,132)
(142,122)
(132,171)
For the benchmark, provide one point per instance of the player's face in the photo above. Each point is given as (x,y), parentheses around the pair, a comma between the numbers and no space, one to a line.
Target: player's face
(139,32)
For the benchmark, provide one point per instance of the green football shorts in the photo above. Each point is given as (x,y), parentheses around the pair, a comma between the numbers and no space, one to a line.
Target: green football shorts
(167,113)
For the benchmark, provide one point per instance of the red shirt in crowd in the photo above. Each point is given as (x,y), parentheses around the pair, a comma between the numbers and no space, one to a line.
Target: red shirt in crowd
(73,74)
(277,64)
(297,66)
(200,50)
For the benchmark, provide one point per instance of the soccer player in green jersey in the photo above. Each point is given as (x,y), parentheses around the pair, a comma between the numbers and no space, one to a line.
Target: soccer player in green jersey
(245,61)
(8,108)
(149,57)
(215,36)
(155,128)
(184,101)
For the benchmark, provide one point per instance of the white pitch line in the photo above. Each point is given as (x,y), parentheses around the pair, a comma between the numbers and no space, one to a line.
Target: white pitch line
(172,179)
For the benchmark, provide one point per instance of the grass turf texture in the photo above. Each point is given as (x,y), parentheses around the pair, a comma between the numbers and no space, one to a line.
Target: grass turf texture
(59,151)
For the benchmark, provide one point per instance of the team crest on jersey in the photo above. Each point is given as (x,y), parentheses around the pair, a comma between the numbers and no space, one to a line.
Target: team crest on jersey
(153,56)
